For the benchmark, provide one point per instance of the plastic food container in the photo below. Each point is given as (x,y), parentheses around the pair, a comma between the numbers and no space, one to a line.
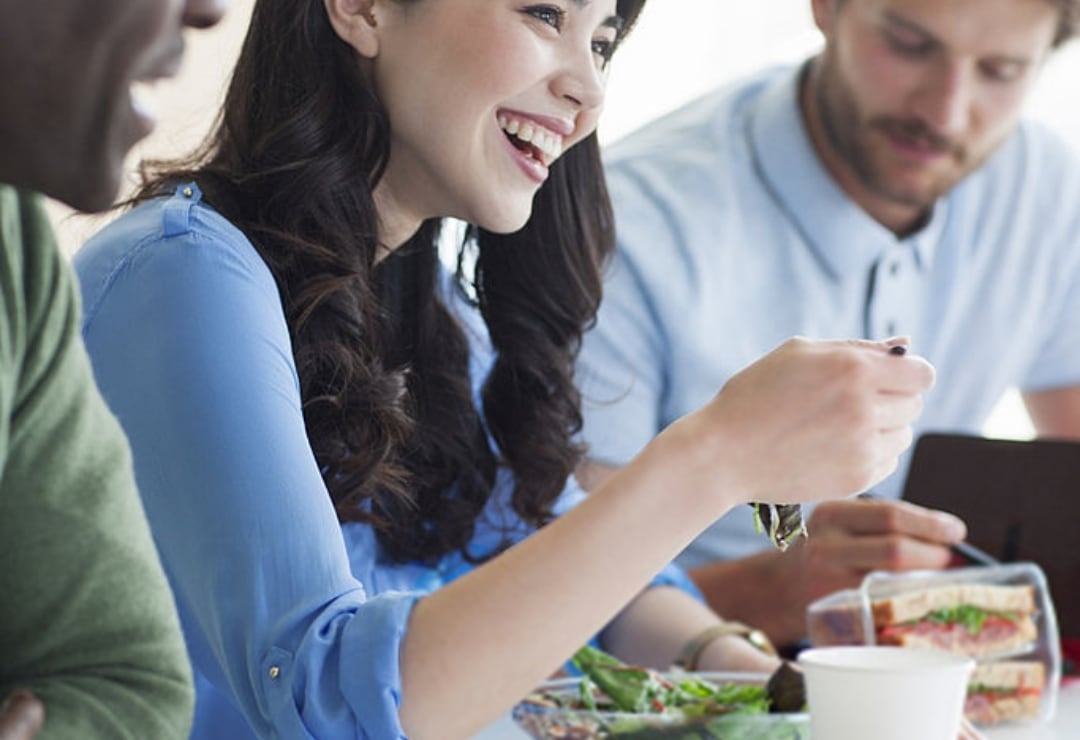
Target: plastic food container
(542,721)
(1015,647)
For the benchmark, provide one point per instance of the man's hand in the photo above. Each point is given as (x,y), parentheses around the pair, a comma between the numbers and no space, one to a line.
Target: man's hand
(848,539)
(853,537)
(21,716)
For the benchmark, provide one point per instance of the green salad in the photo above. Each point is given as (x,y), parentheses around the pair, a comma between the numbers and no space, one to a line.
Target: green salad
(615,700)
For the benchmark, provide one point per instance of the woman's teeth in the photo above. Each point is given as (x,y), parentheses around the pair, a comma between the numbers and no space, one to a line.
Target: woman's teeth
(542,141)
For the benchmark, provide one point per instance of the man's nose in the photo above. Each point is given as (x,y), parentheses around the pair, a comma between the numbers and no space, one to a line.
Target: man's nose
(945,102)
(203,13)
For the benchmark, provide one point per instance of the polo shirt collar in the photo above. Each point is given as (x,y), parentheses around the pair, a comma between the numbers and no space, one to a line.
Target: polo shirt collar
(838,231)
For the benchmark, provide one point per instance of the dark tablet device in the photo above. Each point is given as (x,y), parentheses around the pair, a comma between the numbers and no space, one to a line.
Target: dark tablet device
(1021,502)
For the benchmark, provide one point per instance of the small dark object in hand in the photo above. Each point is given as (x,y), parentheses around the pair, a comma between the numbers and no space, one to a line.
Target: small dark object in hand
(783,523)
(973,555)
(786,689)
(898,349)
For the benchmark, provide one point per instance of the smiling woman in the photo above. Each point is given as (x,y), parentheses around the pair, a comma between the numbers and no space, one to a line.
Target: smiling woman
(357,463)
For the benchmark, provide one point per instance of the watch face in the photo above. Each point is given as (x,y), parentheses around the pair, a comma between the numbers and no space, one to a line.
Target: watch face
(760,640)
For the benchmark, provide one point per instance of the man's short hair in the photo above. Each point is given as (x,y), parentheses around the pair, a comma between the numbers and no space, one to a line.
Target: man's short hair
(1068,23)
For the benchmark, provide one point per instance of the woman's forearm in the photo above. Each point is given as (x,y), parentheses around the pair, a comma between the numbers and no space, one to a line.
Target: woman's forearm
(810,421)
(656,626)
(505,627)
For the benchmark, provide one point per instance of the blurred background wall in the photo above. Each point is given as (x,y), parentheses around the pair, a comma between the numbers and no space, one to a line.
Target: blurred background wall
(680,49)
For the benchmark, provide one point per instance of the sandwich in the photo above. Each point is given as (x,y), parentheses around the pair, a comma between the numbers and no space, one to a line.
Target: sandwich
(1005,691)
(988,622)
(980,620)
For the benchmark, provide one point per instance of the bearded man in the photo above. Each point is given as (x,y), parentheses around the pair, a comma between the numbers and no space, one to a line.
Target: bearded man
(886,187)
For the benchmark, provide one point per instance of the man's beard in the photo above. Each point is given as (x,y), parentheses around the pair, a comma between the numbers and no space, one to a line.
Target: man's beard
(852,138)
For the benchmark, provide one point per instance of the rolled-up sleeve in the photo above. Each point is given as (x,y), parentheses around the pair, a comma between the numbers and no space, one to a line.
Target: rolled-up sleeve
(191,350)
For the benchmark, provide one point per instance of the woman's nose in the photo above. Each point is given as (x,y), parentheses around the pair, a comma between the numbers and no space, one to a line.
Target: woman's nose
(582,83)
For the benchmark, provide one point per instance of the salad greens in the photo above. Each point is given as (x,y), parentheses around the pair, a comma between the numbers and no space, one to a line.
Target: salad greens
(972,617)
(614,700)
(781,522)
(642,691)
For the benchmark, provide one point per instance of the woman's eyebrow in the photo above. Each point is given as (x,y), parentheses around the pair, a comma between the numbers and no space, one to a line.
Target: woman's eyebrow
(617,22)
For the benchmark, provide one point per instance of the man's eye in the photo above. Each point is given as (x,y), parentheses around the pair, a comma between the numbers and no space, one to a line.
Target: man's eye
(1003,71)
(551,15)
(908,47)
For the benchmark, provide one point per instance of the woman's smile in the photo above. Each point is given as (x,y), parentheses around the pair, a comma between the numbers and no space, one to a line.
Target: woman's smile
(533,143)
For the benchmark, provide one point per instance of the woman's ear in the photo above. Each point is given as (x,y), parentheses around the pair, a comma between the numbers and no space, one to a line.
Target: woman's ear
(354,22)
(823,11)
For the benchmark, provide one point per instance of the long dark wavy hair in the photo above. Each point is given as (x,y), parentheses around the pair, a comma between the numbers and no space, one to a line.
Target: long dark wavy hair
(297,150)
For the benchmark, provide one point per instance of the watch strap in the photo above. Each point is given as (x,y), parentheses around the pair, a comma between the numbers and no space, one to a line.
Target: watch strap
(691,652)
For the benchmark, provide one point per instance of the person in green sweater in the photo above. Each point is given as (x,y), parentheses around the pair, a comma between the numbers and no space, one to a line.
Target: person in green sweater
(90,644)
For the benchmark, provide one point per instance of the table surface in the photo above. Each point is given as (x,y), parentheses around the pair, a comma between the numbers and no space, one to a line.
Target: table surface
(1065,725)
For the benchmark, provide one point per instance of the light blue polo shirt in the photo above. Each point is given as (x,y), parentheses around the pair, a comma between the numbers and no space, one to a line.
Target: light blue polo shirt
(733,237)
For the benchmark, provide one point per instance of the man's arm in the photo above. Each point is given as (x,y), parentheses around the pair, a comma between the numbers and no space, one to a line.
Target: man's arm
(1055,413)
(87,620)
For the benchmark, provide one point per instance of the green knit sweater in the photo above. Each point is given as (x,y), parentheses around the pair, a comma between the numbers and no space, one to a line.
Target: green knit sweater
(87,621)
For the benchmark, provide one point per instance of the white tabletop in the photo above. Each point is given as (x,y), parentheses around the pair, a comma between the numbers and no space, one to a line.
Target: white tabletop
(1065,725)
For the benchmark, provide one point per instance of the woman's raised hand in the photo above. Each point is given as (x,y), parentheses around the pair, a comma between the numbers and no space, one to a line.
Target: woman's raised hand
(811,420)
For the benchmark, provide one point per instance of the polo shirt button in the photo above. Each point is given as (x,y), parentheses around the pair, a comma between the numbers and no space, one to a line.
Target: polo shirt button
(894,269)
(188,192)
(274,671)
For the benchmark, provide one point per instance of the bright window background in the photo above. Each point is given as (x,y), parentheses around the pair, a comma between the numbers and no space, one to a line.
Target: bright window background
(680,49)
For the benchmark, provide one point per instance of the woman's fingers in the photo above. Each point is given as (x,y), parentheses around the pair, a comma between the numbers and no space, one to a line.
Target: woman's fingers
(815,420)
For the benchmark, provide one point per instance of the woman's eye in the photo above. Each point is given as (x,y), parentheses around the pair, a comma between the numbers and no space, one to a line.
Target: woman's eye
(551,15)
(603,48)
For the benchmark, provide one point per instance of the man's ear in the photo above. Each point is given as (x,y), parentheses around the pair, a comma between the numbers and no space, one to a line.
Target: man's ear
(355,23)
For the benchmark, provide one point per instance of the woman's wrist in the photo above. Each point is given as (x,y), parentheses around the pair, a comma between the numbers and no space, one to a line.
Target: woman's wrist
(728,646)
(700,461)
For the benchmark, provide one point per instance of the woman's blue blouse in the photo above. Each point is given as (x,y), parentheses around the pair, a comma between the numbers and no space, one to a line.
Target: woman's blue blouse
(293,621)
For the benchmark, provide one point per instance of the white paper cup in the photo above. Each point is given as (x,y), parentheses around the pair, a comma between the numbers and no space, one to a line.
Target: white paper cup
(885,693)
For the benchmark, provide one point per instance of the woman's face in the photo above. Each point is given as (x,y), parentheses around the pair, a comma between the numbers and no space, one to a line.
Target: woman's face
(482,96)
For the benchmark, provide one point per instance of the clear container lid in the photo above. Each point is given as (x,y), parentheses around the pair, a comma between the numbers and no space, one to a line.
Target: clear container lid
(1013,644)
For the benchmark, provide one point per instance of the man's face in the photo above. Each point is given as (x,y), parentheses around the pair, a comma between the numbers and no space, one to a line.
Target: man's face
(913,95)
(67,116)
